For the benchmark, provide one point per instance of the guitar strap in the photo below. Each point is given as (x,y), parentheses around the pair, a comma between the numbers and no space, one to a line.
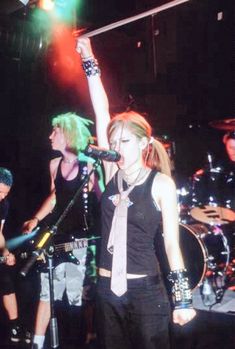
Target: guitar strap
(85,195)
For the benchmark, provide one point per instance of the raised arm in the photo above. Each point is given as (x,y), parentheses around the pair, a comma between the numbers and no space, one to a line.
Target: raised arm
(98,98)
(97,93)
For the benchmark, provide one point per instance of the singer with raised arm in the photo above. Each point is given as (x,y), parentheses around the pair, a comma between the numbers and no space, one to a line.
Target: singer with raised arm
(70,136)
(132,303)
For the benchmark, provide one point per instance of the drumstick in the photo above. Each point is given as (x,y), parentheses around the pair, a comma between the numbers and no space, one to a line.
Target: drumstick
(133,18)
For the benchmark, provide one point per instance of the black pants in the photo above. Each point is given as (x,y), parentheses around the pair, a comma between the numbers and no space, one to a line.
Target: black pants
(139,319)
(26,290)
(7,279)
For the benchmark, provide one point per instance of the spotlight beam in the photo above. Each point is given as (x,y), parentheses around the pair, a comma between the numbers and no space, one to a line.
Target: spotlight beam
(19,240)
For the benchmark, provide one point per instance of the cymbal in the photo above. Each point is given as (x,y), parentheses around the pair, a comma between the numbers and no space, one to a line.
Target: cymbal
(213,215)
(226,124)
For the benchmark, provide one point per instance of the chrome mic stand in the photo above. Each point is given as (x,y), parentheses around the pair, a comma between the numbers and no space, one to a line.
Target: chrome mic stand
(53,320)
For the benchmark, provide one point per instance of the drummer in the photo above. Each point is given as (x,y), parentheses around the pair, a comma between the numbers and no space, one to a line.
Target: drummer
(215,184)
(229,141)
(229,168)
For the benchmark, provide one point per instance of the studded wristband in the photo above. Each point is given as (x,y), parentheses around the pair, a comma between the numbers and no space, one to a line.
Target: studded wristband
(91,67)
(181,292)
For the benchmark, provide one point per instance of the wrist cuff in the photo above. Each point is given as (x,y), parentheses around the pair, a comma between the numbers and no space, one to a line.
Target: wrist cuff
(91,67)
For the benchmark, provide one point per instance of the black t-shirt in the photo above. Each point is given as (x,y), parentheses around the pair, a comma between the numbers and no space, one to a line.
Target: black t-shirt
(4,208)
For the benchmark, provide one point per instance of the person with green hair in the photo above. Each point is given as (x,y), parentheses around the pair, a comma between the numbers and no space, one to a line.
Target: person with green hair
(70,136)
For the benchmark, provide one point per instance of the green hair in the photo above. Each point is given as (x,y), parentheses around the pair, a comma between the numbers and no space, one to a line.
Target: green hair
(75,129)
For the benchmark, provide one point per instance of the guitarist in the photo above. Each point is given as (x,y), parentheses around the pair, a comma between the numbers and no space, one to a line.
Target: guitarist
(7,268)
(70,136)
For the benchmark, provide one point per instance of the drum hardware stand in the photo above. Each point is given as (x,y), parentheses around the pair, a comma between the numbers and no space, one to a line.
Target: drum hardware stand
(211,288)
(216,283)
(219,294)
(210,160)
(219,289)
(207,292)
(46,246)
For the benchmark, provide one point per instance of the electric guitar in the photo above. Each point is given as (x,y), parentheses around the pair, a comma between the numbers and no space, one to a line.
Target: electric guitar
(72,245)
(63,252)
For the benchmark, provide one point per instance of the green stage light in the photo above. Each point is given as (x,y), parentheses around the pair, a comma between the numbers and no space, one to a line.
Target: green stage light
(65,10)
(61,10)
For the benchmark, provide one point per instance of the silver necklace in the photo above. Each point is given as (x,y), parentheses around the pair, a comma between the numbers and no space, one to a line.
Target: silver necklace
(68,161)
(127,176)
(140,175)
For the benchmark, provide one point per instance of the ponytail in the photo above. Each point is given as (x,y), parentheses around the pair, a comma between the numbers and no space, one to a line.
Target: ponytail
(156,157)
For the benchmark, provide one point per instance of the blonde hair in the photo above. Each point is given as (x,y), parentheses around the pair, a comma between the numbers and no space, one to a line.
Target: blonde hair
(75,129)
(154,155)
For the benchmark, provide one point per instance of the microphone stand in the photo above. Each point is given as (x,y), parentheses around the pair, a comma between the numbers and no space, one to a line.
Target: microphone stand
(46,246)
(53,319)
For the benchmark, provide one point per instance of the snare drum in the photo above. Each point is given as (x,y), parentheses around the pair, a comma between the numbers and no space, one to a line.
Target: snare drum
(205,251)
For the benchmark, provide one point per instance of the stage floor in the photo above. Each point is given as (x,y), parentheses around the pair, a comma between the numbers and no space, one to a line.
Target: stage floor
(209,330)
(214,329)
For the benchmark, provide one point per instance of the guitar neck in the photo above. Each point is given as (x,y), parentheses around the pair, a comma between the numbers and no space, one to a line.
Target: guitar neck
(69,246)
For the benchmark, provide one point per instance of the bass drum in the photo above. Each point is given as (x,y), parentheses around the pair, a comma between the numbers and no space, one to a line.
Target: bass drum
(205,251)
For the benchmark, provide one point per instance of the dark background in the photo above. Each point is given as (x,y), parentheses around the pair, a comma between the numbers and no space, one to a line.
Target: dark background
(181,76)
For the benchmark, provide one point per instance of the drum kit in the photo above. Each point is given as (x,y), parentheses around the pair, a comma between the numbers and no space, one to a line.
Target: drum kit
(207,228)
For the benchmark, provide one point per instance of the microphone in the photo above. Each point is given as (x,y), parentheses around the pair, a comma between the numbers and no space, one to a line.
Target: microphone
(102,154)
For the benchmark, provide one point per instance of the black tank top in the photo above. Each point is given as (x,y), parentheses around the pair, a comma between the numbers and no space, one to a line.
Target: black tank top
(75,221)
(142,226)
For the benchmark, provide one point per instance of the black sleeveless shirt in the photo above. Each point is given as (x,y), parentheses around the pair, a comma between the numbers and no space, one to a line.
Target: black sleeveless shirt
(75,221)
(142,225)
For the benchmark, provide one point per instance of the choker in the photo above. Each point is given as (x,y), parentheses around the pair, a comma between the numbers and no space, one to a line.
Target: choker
(68,161)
